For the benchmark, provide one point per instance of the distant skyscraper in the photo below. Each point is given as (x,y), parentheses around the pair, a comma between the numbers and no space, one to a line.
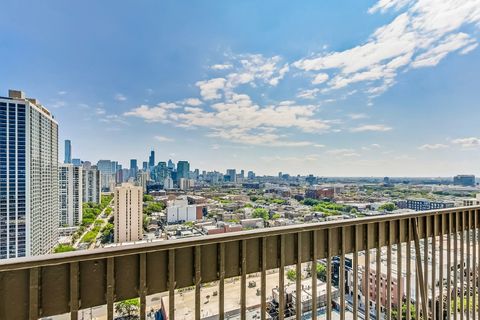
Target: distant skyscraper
(183,170)
(142,180)
(28,177)
(464,180)
(68,151)
(168,183)
(171,165)
(145,165)
(133,168)
(232,175)
(128,213)
(70,195)
(251,175)
(107,170)
(76,162)
(91,184)
(151,159)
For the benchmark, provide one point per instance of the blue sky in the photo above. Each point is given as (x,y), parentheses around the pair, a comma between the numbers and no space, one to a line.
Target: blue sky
(334,88)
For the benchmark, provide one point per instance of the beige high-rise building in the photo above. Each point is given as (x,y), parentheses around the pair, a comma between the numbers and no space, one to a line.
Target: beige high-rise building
(128,213)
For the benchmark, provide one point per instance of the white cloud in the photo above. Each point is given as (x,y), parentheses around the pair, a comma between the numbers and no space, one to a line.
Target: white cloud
(452,43)
(424,33)
(371,127)
(435,146)
(347,153)
(120,97)
(467,143)
(62,93)
(209,89)
(160,113)
(194,102)
(225,66)
(163,139)
(357,116)
(320,78)
(384,5)
(240,112)
(239,120)
(308,93)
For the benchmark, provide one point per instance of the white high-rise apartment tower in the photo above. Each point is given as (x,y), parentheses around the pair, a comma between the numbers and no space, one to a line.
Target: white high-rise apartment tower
(91,184)
(70,189)
(128,213)
(28,177)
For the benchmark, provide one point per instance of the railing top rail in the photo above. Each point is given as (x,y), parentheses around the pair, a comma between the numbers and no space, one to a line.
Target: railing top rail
(124,250)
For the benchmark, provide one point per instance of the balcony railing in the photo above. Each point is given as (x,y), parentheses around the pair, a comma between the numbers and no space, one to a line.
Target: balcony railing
(435,270)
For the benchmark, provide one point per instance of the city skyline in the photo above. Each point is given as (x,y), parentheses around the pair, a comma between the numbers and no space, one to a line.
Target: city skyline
(228,86)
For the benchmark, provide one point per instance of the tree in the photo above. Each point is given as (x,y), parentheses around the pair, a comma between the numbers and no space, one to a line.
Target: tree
(153,207)
(321,272)
(147,197)
(261,213)
(276,216)
(128,308)
(387,207)
(291,275)
(107,233)
(146,221)
(64,248)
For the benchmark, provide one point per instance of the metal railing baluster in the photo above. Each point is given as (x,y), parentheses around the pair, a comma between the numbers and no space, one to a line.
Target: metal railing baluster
(264,279)
(298,279)
(281,280)
(74,287)
(110,287)
(171,284)
(221,282)
(378,272)
(409,269)
(341,278)
(142,288)
(355,273)
(329,274)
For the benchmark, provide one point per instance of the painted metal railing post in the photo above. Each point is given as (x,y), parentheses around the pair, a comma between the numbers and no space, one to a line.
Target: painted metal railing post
(110,287)
(423,290)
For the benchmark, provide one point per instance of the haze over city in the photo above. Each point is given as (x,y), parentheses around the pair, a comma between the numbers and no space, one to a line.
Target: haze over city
(364,89)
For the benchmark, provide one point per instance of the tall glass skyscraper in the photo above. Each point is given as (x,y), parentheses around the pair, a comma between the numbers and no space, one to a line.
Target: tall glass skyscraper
(68,152)
(183,170)
(133,168)
(28,177)
(151,159)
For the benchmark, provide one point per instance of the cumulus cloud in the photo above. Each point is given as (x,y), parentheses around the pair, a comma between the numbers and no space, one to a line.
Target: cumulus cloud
(209,89)
(468,143)
(343,153)
(240,120)
(159,113)
(423,34)
(194,102)
(163,139)
(435,146)
(320,78)
(371,127)
(357,116)
(225,66)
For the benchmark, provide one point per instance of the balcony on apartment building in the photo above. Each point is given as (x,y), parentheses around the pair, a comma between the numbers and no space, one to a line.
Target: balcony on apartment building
(425,262)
